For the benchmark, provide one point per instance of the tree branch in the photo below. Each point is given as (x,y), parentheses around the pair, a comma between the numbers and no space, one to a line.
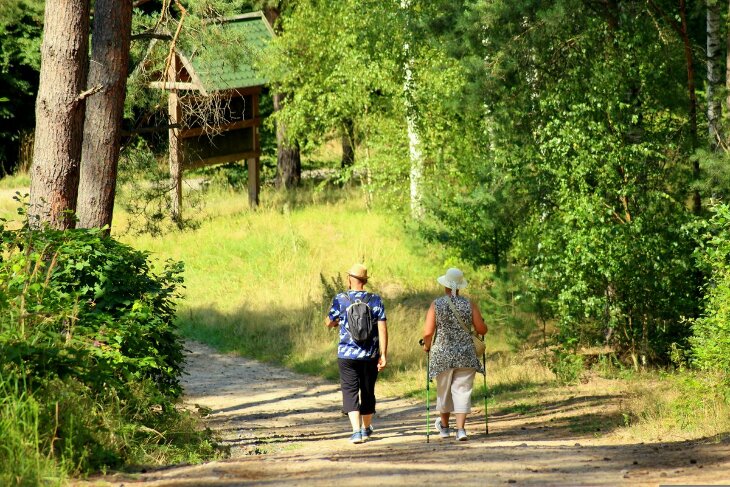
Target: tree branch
(85,94)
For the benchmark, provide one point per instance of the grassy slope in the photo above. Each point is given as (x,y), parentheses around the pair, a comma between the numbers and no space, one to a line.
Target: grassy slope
(254,286)
(254,279)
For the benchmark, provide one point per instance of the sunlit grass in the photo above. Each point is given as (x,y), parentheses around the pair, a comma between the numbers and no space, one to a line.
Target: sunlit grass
(254,279)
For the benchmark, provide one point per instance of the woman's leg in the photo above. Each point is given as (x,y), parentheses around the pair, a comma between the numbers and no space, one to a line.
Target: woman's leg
(461,387)
(444,402)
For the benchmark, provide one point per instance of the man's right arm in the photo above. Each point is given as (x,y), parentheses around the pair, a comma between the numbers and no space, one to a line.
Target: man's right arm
(333,318)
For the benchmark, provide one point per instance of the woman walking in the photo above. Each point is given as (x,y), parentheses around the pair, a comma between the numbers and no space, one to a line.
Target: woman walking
(454,362)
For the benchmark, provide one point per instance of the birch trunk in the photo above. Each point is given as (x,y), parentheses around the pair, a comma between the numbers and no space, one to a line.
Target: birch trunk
(59,114)
(414,140)
(104,111)
(714,69)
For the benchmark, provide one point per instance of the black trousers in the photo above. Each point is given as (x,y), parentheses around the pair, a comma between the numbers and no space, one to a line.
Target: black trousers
(357,380)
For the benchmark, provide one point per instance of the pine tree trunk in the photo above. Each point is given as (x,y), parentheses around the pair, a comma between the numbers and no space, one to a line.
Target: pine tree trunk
(288,159)
(104,111)
(684,32)
(59,113)
(348,144)
(714,69)
(727,66)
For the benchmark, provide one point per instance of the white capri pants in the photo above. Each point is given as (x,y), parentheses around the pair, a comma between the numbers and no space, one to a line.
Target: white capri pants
(453,389)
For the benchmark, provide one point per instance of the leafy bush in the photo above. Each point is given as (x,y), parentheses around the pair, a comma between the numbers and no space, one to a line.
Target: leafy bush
(711,339)
(87,332)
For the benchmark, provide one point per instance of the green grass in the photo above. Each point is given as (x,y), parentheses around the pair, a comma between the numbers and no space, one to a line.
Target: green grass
(22,461)
(260,282)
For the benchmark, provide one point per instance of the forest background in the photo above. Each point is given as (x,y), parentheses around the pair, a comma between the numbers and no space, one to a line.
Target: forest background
(572,154)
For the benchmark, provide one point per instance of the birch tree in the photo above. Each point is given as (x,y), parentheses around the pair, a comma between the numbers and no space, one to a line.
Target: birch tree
(60,113)
(414,140)
(714,70)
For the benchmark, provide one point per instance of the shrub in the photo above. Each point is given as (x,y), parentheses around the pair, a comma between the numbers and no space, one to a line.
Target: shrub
(711,339)
(87,335)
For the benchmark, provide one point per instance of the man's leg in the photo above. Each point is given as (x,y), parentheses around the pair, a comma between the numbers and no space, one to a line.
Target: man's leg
(350,385)
(368,377)
(355,420)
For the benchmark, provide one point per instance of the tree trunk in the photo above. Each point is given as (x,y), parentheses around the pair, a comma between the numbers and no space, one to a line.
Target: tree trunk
(288,159)
(104,111)
(727,67)
(714,77)
(684,32)
(414,140)
(59,113)
(348,144)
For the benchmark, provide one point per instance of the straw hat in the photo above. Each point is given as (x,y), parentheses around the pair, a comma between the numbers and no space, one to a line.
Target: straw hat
(453,279)
(358,271)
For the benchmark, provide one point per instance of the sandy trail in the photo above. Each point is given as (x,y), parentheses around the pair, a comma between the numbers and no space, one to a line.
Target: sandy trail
(288,429)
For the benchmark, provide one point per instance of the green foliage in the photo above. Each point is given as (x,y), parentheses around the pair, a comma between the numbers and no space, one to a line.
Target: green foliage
(144,192)
(711,340)
(87,336)
(567,366)
(583,148)
(21,24)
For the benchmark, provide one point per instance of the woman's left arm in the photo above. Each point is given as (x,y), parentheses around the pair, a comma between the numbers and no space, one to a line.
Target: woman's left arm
(477,320)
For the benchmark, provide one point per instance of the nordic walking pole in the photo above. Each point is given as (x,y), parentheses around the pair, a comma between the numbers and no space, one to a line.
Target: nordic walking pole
(428,395)
(486,416)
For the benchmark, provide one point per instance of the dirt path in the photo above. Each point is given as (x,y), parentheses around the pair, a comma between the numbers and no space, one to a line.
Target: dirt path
(287,429)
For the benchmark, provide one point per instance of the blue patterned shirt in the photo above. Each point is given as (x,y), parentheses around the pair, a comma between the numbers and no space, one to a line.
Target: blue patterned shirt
(347,347)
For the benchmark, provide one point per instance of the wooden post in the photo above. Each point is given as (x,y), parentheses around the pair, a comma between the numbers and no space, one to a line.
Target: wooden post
(175,114)
(254,176)
(253,182)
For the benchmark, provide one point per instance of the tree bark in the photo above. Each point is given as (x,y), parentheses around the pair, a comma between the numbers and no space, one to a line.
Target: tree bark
(727,67)
(348,144)
(714,77)
(684,32)
(414,139)
(110,43)
(288,159)
(59,114)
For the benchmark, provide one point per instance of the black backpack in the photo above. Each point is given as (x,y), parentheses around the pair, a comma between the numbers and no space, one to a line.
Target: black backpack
(360,322)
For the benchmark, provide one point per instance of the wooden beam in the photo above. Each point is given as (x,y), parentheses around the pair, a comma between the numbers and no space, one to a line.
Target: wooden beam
(175,114)
(175,85)
(211,161)
(198,131)
(256,144)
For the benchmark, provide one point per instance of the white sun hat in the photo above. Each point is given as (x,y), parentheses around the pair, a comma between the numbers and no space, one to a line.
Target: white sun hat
(453,279)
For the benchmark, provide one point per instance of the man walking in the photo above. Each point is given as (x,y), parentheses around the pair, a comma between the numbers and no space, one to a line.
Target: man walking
(362,349)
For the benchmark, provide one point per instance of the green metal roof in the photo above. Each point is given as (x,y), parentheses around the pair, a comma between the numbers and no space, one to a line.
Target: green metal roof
(213,71)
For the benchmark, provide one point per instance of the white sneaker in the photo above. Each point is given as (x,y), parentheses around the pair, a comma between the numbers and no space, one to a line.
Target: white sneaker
(443,431)
(461,435)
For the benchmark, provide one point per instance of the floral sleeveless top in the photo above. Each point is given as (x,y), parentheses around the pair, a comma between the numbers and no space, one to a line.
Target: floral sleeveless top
(452,347)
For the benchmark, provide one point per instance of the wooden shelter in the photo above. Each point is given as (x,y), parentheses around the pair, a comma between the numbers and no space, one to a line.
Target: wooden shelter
(228,130)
